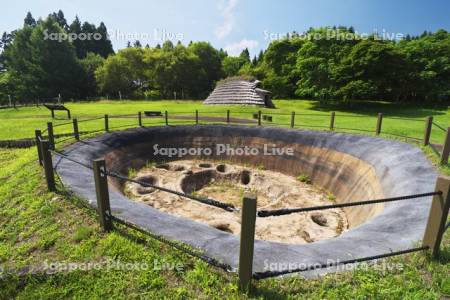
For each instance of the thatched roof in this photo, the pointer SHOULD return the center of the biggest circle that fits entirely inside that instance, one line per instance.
(230, 92)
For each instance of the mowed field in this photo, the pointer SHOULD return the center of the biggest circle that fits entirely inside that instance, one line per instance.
(38, 228)
(398, 120)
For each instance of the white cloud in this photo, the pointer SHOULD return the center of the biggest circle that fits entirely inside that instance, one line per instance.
(226, 8)
(236, 48)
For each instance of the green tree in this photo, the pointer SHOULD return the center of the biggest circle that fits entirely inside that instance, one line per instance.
(123, 72)
(278, 63)
(29, 20)
(40, 66)
(75, 28)
(90, 64)
(208, 70)
(103, 46)
(60, 19)
(232, 65)
(245, 55)
(429, 67)
(172, 70)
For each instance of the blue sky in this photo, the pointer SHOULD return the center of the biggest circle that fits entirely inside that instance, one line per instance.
(235, 24)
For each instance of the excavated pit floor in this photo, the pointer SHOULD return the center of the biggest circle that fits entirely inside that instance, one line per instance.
(227, 183)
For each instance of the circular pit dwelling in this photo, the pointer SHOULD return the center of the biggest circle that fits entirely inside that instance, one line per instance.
(336, 167)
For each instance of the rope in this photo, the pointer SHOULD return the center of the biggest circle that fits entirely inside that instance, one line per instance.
(90, 132)
(122, 116)
(123, 126)
(64, 140)
(303, 126)
(287, 211)
(62, 124)
(354, 129)
(352, 116)
(268, 274)
(87, 120)
(439, 126)
(184, 249)
(175, 245)
(311, 115)
(207, 201)
(401, 118)
(62, 155)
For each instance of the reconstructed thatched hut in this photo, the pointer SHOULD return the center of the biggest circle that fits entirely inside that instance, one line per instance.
(240, 91)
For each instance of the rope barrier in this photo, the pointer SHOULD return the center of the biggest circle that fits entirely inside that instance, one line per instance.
(207, 201)
(62, 155)
(87, 120)
(354, 129)
(303, 126)
(64, 140)
(311, 115)
(403, 119)
(439, 126)
(287, 211)
(62, 124)
(122, 116)
(185, 249)
(90, 132)
(353, 116)
(268, 274)
(123, 126)
(276, 113)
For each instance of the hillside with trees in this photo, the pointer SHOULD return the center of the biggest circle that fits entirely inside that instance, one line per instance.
(340, 66)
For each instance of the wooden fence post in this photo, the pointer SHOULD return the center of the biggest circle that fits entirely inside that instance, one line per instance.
(101, 188)
(166, 115)
(333, 114)
(38, 136)
(428, 124)
(438, 216)
(51, 136)
(140, 119)
(246, 246)
(379, 122)
(446, 149)
(228, 116)
(196, 116)
(259, 118)
(76, 133)
(48, 165)
(293, 119)
(106, 123)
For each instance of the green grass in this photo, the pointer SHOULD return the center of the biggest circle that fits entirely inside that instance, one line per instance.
(304, 178)
(37, 226)
(21, 123)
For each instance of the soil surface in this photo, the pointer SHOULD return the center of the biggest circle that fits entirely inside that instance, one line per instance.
(227, 183)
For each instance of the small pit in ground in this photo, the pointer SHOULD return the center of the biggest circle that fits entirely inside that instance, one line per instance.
(221, 168)
(205, 165)
(227, 183)
(143, 189)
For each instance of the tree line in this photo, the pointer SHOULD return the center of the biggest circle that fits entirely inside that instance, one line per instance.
(329, 64)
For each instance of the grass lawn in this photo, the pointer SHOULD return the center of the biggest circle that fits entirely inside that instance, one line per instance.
(37, 226)
(398, 120)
